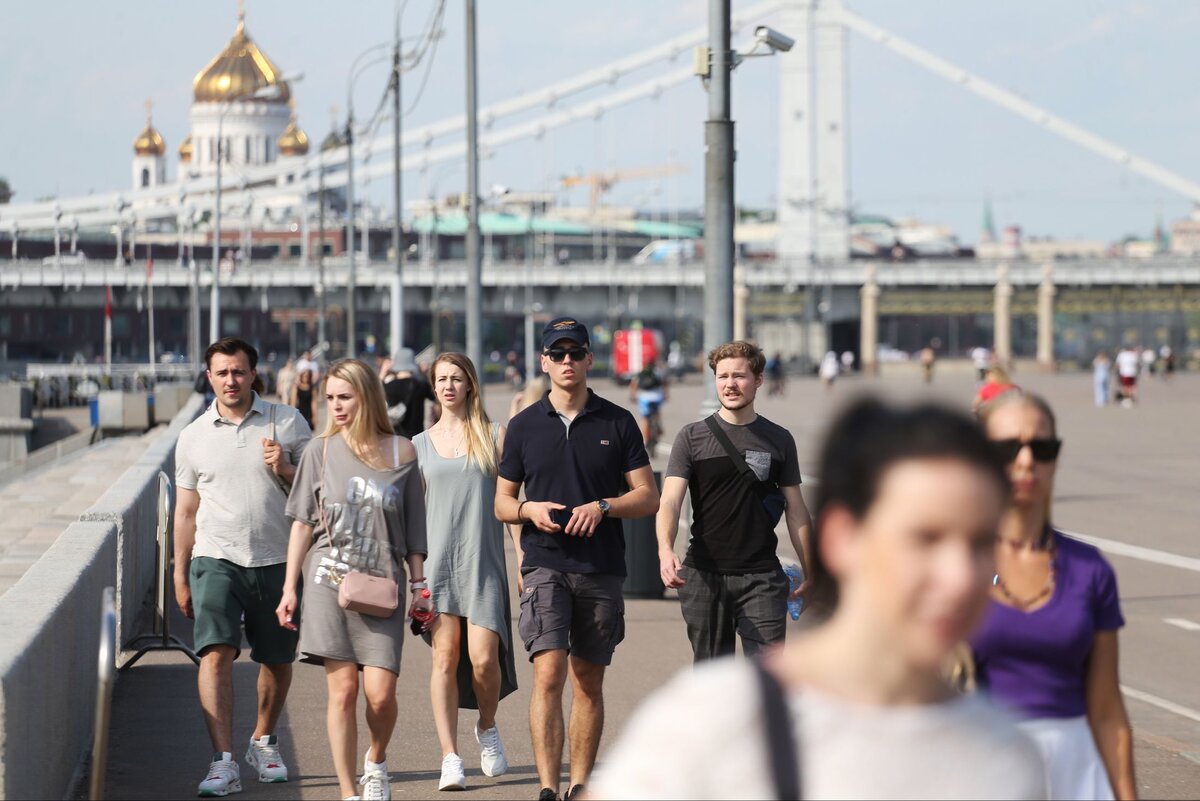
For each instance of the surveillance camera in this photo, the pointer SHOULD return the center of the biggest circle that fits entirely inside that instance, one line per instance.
(773, 39)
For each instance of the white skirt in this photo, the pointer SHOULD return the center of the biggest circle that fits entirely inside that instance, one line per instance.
(1074, 770)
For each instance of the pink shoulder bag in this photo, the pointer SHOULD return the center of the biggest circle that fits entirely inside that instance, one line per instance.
(361, 592)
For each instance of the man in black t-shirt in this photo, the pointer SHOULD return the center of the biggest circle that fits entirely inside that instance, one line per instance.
(731, 581)
(575, 453)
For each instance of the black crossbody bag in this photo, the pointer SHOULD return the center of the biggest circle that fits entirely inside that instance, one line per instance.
(782, 755)
(768, 493)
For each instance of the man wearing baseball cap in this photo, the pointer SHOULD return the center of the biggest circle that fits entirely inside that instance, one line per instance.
(574, 453)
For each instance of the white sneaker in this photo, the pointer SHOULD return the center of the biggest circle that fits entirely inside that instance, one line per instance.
(375, 782)
(453, 775)
(492, 758)
(224, 777)
(263, 755)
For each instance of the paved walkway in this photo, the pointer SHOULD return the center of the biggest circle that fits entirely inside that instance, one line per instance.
(41, 504)
(1126, 475)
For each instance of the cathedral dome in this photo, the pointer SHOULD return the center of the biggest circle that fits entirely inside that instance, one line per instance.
(237, 72)
(149, 142)
(293, 141)
(185, 150)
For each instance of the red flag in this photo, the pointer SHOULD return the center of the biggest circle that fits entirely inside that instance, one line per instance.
(149, 269)
(108, 302)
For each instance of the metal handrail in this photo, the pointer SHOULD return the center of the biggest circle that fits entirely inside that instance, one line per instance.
(161, 637)
(105, 677)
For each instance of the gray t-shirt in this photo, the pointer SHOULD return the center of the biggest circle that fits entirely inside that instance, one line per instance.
(702, 736)
(731, 533)
(241, 516)
(375, 519)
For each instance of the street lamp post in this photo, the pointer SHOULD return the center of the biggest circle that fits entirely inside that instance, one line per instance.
(718, 177)
(474, 299)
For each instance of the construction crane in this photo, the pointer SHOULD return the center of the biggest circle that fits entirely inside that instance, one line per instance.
(601, 182)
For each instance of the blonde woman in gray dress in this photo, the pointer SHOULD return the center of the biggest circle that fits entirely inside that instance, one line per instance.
(356, 505)
(473, 664)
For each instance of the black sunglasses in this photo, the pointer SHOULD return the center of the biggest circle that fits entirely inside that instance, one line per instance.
(556, 355)
(1044, 450)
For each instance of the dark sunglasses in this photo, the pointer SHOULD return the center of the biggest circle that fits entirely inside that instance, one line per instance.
(1044, 450)
(556, 355)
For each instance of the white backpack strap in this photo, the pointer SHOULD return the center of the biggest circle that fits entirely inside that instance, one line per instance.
(396, 451)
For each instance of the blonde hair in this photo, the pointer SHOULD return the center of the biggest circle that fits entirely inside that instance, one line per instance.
(999, 374)
(481, 447)
(535, 388)
(370, 421)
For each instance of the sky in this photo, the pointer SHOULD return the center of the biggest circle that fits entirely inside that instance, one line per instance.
(77, 74)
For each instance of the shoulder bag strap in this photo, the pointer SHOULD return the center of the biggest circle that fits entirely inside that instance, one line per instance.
(396, 451)
(782, 754)
(321, 497)
(738, 460)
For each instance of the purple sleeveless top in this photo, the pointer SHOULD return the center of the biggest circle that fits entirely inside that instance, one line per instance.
(1034, 663)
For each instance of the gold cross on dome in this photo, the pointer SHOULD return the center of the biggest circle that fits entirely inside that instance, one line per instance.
(241, 10)
(149, 109)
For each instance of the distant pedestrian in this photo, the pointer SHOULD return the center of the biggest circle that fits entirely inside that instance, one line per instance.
(356, 508)
(1167, 356)
(1101, 375)
(284, 381)
(829, 369)
(473, 664)
(847, 361)
(576, 454)
(1048, 646)
(742, 472)
(406, 389)
(777, 375)
(1128, 366)
(304, 396)
(996, 383)
(233, 468)
(981, 358)
(907, 511)
(928, 358)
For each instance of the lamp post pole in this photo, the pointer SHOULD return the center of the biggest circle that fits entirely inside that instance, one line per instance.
(474, 300)
(718, 192)
(214, 310)
(351, 303)
(321, 255)
(397, 316)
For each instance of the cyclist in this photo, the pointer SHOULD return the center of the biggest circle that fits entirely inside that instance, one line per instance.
(649, 389)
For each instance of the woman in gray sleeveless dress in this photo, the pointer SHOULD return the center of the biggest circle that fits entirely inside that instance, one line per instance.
(473, 665)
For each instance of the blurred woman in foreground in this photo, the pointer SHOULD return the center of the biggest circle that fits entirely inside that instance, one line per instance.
(907, 512)
(1048, 646)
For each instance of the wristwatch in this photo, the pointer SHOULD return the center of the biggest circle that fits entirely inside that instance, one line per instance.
(603, 506)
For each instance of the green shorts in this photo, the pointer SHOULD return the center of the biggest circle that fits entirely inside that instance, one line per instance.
(225, 595)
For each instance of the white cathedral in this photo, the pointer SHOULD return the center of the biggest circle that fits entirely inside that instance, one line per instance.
(255, 131)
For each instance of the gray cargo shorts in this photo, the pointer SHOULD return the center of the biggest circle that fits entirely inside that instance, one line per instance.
(581, 613)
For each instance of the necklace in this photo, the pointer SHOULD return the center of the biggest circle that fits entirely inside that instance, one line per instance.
(1025, 603)
(456, 445)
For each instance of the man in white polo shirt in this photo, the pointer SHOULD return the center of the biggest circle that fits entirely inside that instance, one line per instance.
(233, 467)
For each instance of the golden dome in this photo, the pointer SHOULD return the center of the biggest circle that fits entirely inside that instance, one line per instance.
(293, 141)
(185, 150)
(149, 142)
(237, 72)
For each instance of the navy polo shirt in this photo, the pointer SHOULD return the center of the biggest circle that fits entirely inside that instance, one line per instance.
(573, 465)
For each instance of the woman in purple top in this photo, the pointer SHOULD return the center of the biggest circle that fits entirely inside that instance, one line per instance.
(1047, 648)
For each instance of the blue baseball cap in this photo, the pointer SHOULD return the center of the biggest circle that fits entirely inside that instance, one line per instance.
(561, 328)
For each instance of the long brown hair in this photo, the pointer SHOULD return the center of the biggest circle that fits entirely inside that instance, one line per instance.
(481, 447)
(371, 421)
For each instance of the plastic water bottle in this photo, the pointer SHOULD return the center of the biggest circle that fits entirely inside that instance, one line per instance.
(795, 578)
(421, 619)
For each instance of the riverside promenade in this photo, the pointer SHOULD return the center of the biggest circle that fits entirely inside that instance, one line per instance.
(1127, 478)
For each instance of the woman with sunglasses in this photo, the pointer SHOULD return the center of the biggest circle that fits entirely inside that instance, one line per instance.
(1047, 649)
(856, 707)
